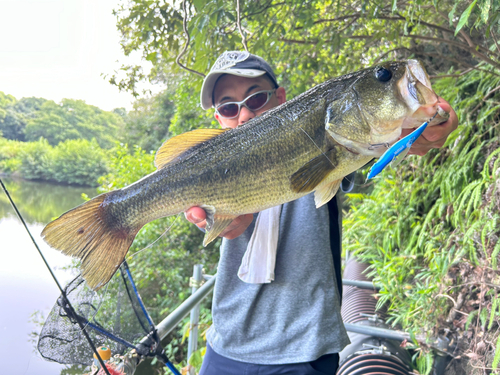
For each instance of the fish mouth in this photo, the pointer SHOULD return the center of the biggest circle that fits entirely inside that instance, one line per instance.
(416, 90)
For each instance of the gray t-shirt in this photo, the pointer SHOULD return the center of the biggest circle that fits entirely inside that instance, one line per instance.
(296, 317)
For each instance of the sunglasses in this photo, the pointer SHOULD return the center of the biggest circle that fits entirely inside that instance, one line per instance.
(253, 102)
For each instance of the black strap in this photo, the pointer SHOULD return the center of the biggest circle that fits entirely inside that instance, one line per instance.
(336, 241)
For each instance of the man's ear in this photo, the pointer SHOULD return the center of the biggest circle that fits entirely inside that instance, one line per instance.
(281, 94)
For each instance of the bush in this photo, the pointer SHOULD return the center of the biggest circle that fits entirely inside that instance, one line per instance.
(78, 162)
(126, 168)
(36, 160)
(9, 155)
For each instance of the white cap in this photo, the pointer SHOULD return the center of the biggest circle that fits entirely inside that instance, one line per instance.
(238, 63)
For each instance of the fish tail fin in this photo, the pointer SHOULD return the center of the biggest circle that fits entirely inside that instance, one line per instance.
(84, 233)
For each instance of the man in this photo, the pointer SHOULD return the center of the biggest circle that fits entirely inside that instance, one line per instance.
(291, 325)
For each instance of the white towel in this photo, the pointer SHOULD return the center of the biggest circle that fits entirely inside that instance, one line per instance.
(257, 265)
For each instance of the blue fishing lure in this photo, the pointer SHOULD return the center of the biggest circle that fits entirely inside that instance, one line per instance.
(397, 151)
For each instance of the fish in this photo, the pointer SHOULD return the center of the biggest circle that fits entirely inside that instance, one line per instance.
(305, 145)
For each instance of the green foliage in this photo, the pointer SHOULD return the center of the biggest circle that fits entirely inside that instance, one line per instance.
(496, 358)
(9, 155)
(147, 125)
(481, 13)
(28, 119)
(73, 119)
(36, 160)
(424, 363)
(188, 114)
(126, 168)
(78, 162)
(306, 42)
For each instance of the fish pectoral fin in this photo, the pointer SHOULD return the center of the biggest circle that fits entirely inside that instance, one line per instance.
(216, 225)
(176, 146)
(84, 233)
(325, 192)
(313, 172)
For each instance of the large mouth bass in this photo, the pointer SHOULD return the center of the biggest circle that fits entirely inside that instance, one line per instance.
(306, 145)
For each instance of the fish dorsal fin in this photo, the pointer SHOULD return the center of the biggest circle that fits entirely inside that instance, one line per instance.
(176, 146)
(313, 172)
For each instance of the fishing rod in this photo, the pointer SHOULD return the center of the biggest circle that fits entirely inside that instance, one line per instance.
(66, 301)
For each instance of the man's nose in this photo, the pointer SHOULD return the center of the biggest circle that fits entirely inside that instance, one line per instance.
(245, 115)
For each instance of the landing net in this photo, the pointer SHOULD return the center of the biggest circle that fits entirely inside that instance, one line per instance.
(114, 317)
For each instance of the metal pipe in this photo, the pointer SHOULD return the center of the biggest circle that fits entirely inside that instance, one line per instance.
(378, 332)
(175, 317)
(440, 344)
(195, 313)
(362, 284)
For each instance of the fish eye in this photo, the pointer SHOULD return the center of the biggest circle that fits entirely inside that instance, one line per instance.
(383, 74)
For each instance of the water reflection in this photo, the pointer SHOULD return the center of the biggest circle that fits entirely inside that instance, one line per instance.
(40, 202)
(25, 284)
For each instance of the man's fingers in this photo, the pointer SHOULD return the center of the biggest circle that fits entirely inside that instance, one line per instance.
(434, 136)
(196, 215)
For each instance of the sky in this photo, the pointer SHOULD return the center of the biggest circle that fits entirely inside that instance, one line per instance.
(58, 49)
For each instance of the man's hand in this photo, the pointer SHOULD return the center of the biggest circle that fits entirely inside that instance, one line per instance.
(434, 136)
(197, 215)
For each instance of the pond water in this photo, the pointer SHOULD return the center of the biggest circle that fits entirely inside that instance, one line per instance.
(27, 290)
(26, 286)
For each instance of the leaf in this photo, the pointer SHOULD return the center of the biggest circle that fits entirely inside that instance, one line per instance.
(394, 6)
(196, 358)
(470, 318)
(485, 10)
(465, 17)
(202, 23)
(493, 311)
(496, 359)
(198, 4)
(451, 15)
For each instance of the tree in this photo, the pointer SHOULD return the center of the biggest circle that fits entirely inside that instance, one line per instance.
(147, 125)
(10, 126)
(308, 41)
(72, 119)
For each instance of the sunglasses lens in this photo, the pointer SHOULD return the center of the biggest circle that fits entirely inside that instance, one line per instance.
(257, 101)
(228, 110)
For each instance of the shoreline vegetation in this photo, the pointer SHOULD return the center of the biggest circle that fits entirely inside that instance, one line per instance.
(72, 162)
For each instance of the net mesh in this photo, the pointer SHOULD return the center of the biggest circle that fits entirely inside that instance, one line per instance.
(115, 308)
